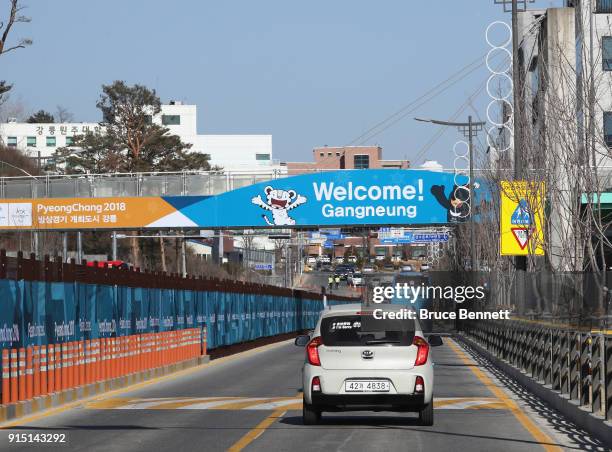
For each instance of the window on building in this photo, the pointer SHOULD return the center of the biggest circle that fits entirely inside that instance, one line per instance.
(361, 161)
(603, 6)
(69, 141)
(607, 120)
(171, 120)
(51, 142)
(606, 53)
(31, 142)
(329, 154)
(322, 154)
(262, 156)
(11, 141)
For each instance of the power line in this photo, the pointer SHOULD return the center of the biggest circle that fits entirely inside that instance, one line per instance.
(431, 92)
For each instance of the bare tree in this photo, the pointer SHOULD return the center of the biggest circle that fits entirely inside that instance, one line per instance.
(566, 150)
(63, 115)
(6, 26)
(11, 108)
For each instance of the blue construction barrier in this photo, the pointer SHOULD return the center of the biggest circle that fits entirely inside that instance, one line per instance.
(40, 312)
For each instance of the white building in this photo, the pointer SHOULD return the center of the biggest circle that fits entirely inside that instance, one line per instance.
(565, 58)
(252, 153)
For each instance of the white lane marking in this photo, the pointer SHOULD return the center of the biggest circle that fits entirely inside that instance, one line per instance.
(144, 404)
(275, 405)
(218, 403)
(265, 403)
(464, 405)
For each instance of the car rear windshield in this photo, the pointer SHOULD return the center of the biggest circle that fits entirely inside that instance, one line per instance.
(347, 330)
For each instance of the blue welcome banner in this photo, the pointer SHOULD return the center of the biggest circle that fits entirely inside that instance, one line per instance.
(336, 198)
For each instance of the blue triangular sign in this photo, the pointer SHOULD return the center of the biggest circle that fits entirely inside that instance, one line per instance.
(521, 214)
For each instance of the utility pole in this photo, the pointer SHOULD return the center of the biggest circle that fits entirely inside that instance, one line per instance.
(114, 245)
(520, 262)
(469, 129)
(79, 246)
(183, 257)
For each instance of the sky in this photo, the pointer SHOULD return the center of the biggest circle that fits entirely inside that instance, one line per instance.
(310, 73)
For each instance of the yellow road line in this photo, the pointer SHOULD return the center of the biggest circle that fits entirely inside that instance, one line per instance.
(256, 432)
(545, 441)
(172, 376)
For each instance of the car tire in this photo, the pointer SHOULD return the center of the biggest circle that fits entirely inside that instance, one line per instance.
(426, 415)
(310, 415)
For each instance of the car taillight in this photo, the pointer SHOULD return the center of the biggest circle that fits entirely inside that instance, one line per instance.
(316, 384)
(419, 385)
(312, 351)
(422, 350)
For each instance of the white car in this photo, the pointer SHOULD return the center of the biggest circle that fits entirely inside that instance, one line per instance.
(311, 260)
(352, 259)
(368, 269)
(325, 259)
(355, 362)
(356, 279)
(406, 268)
(339, 260)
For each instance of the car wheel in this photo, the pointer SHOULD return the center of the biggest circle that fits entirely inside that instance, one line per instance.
(426, 415)
(310, 415)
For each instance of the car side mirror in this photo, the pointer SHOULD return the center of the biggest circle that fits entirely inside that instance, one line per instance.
(434, 340)
(302, 340)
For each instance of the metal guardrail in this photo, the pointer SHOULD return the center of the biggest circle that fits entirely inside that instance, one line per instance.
(196, 183)
(575, 363)
(129, 184)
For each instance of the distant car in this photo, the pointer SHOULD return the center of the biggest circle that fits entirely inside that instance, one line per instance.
(339, 259)
(368, 269)
(389, 268)
(356, 279)
(406, 268)
(311, 260)
(326, 268)
(343, 270)
(325, 260)
(424, 267)
(352, 259)
(380, 258)
(109, 264)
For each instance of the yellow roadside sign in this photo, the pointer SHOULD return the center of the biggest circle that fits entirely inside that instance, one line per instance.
(522, 213)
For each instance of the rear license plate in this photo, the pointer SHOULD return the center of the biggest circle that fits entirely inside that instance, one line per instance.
(367, 386)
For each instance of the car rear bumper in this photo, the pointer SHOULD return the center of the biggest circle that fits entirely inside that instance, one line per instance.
(358, 402)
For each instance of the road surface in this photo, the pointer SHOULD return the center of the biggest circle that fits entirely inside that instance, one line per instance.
(252, 401)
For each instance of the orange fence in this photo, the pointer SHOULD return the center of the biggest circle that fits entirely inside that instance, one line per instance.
(40, 370)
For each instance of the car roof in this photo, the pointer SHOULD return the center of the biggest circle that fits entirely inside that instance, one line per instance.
(352, 308)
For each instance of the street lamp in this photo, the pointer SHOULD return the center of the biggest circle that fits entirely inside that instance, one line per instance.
(469, 129)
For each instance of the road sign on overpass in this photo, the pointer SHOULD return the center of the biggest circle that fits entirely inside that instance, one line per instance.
(337, 198)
